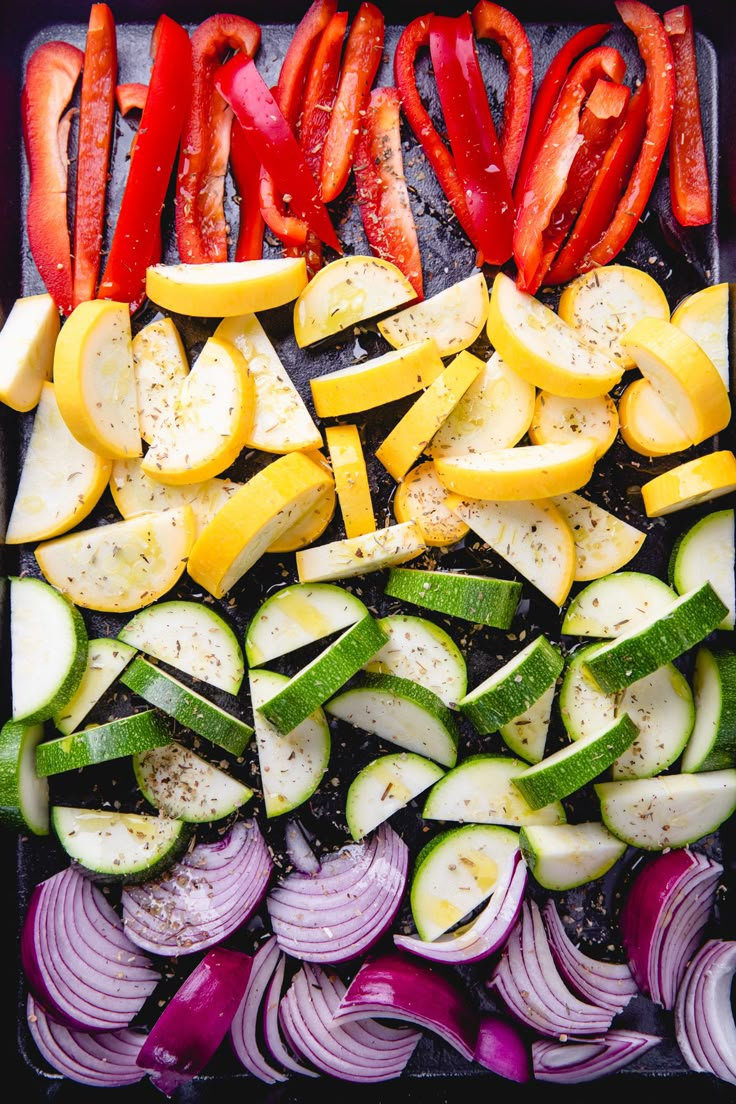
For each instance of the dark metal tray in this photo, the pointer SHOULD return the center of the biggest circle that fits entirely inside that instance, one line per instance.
(681, 262)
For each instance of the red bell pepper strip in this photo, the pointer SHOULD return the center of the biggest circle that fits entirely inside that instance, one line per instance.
(51, 76)
(96, 115)
(139, 219)
(548, 92)
(600, 119)
(246, 169)
(201, 227)
(689, 179)
(363, 52)
(472, 135)
(274, 143)
(548, 175)
(655, 49)
(289, 229)
(497, 23)
(382, 193)
(320, 91)
(604, 193)
(297, 61)
(131, 97)
(414, 37)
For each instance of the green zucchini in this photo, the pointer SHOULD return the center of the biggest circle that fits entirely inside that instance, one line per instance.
(477, 598)
(511, 689)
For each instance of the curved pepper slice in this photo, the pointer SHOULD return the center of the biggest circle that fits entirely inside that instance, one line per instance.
(139, 219)
(201, 228)
(382, 193)
(246, 169)
(363, 52)
(548, 176)
(604, 193)
(548, 92)
(689, 179)
(655, 49)
(320, 90)
(297, 61)
(131, 97)
(472, 135)
(51, 76)
(497, 23)
(96, 115)
(274, 143)
(415, 36)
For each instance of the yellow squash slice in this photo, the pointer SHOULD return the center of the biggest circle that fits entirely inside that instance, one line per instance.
(351, 479)
(647, 424)
(420, 497)
(558, 419)
(27, 342)
(689, 484)
(226, 288)
(523, 472)
(454, 317)
(603, 542)
(134, 492)
(377, 381)
(161, 366)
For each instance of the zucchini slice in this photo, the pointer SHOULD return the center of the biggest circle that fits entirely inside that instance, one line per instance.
(712, 743)
(480, 790)
(106, 659)
(297, 615)
(184, 786)
(384, 786)
(564, 856)
(708, 550)
(477, 598)
(120, 846)
(616, 604)
(419, 650)
(515, 686)
(24, 795)
(117, 739)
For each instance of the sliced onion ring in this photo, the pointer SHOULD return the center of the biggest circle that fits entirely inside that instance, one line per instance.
(667, 909)
(502, 1049)
(397, 986)
(196, 1019)
(488, 931)
(608, 984)
(343, 910)
(574, 1063)
(202, 899)
(299, 849)
(704, 1019)
(77, 960)
(103, 1059)
(275, 1044)
(244, 1027)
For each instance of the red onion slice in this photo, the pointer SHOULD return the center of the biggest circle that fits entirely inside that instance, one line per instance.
(196, 1020)
(275, 1044)
(608, 984)
(574, 1063)
(202, 899)
(502, 1049)
(396, 986)
(244, 1028)
(663, 919)
(77, 960)
(528, 981)
(704, 1019)
(334, 1049)
(103, 1059)
(487, 932)
(332, 917)
(299, 849)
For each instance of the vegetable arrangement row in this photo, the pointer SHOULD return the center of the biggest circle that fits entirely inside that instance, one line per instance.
(199, 877)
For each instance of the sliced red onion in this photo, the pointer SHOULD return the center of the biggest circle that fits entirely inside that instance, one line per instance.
(704, 1019)
(275, 1044)
(530, 984)
(608, 984)
(667, 909)
(196, 1020)
(573, 1063)
(487, 932)
(397, 986)
(344, 909)
(104, 1059)
(244, 1028)
(502, 1049)
(345, 1051)
(77, 959)
(202, 899)
(299, 849)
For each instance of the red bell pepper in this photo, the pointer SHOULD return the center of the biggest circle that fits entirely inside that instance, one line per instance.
(139, 219)
(51, 76)
(201, 227)
(246, 169)
(547, 178)
(548, 92)
(363, 53)
(472, 135)
(655, 49)
(413, 38)
(297, 61)
(96, 115)
(382, 193)
(600, 120)
(320, 90)
(689, 179)
(605, 192)
(274, 144)
(497, 23)
(131, 97)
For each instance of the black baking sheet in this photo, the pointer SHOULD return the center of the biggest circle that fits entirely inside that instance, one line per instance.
(682, 262)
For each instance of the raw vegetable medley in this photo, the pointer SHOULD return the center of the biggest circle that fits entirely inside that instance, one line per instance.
(373, 687)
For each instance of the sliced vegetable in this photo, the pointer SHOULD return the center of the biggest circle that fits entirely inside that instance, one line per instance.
(181, 784)
(708, 547)
(564, 856)
(297, 615)
(501, 1048)
(690, 483)
(351, 479)
(478, 598)
(603, 542)
(454, 317)
(610, 984)
(27, 340)
(704, 315)
(226, 289)
(712, 741)
(160, 365)
(24, 796)
(526, 734)
(343, 559)
(377, 381)
(424, 652)
(617, 603)
(522, 473)
(243, 1031)
(688, 164)
(117, 739)
(575, 1063)
(106, 658)
(670, 811)
(480, 790)
(705, 1035)
(384, 786)
(513, 686)
(119, 846)
(647, 424)
(420, 497)
(557, 419)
